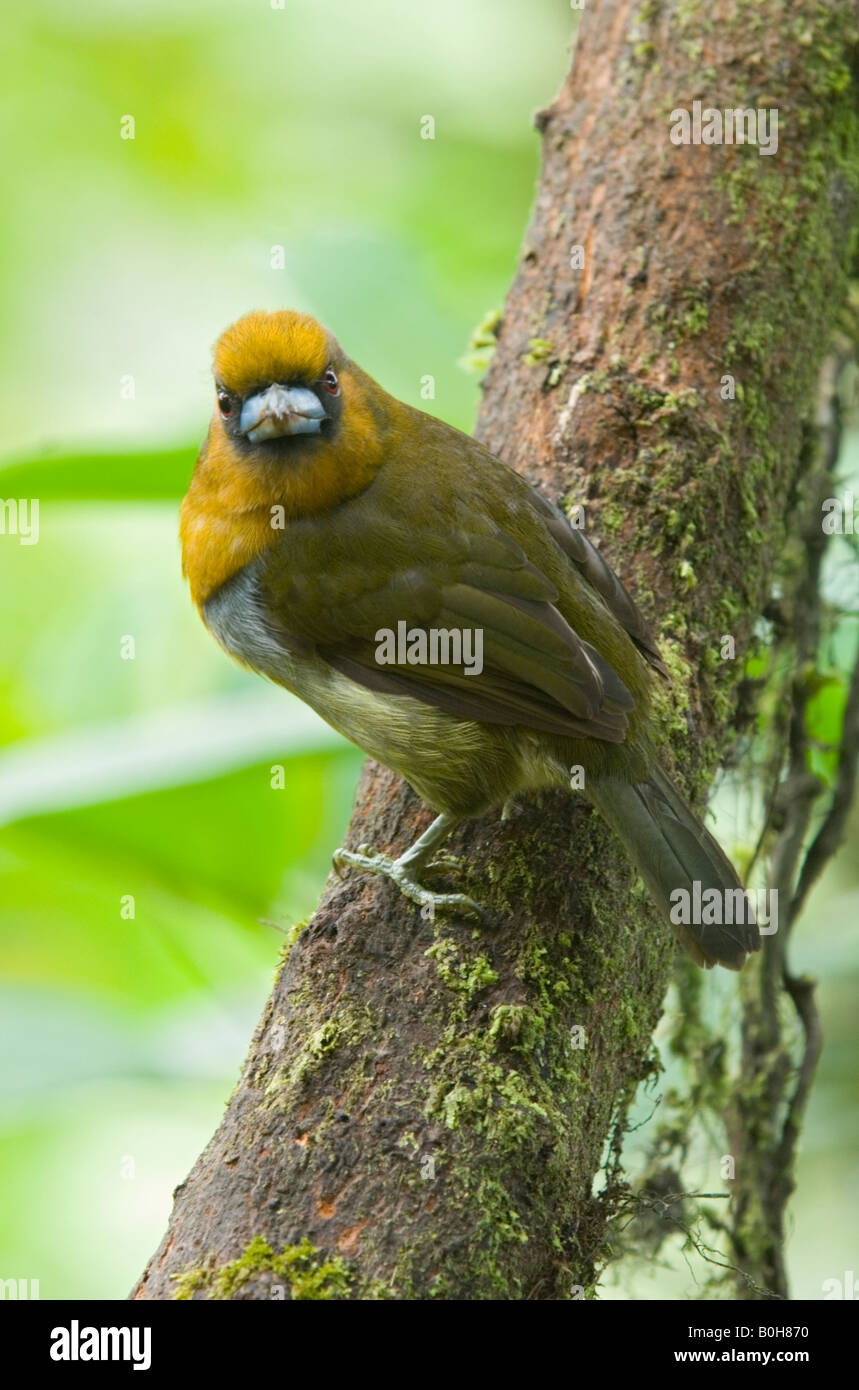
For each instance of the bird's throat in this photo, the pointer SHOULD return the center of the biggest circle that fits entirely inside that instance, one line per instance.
(237, 507)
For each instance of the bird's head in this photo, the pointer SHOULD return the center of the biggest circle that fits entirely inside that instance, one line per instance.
(279, 382)
(297, 429)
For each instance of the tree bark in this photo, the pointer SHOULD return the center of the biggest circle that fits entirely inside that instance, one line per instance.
(425, 1107)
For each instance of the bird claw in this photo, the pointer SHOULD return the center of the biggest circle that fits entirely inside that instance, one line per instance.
(393, 869)
(445, 863)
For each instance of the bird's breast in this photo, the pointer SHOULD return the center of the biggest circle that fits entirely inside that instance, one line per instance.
(235, 617)
(393, 729)
(455, 765)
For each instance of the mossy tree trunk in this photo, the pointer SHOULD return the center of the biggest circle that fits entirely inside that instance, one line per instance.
(426, 1104)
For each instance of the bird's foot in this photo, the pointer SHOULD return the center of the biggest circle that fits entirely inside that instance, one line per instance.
(402, 874)
(445, 864)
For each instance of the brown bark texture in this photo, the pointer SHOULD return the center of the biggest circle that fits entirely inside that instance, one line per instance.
(425, 1106)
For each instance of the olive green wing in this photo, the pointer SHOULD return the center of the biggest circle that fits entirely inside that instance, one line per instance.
(536, 670)
(598, 573)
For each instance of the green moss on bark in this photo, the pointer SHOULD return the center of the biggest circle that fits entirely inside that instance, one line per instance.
(296, 1268)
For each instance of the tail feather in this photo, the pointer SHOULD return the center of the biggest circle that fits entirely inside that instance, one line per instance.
(672, 850)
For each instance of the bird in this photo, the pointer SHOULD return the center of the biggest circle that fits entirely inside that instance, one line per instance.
(350, 548)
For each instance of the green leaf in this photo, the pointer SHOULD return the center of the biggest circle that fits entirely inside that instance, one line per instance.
(160, 476)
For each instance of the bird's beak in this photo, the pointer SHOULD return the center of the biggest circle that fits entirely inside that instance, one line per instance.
(281, 410)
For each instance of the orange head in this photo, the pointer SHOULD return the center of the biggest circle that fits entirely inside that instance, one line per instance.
(297, 428)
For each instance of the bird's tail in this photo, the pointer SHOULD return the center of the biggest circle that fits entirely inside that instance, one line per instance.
(673, 851)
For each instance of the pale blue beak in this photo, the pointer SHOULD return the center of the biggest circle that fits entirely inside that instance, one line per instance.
(279, 411)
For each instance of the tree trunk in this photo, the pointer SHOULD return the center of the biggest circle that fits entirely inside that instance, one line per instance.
(425, 1106)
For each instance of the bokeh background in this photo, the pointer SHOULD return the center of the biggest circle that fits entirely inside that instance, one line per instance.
(148, 777)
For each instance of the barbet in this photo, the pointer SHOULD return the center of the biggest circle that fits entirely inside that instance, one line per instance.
(326, 521)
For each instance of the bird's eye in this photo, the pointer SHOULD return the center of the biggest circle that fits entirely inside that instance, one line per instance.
(330, 382)
(225, 404)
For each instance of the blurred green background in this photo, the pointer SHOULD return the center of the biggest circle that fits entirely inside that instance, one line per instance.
(149, 777)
